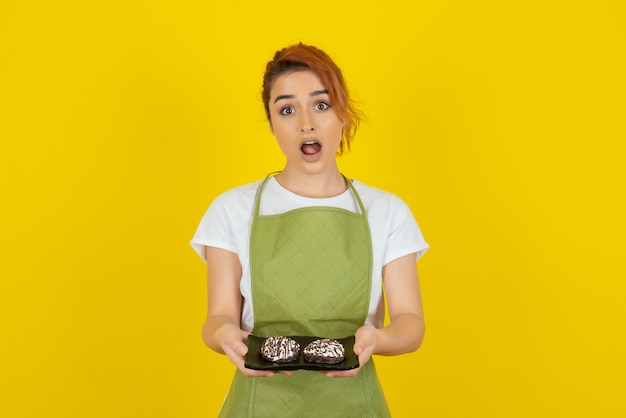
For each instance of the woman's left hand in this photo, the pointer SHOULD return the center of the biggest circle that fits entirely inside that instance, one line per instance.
(364, 345)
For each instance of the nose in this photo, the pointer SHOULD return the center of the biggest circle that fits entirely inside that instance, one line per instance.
(306, 122)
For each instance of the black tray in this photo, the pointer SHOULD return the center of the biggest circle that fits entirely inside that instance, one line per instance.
(255, 361)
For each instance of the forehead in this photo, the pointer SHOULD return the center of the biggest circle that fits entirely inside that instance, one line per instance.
(303, 81)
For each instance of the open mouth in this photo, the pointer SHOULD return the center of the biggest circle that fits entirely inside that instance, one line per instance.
(310, 147)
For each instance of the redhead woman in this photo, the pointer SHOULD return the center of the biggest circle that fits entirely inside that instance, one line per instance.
(308, 252)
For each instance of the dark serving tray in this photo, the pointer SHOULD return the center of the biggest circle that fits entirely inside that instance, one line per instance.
(255, 361)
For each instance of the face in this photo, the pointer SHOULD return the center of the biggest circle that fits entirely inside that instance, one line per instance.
(304, 123)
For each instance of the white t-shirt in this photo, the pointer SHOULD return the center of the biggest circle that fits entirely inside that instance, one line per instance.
(227, 222)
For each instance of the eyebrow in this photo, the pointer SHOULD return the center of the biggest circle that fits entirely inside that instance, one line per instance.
(293, 96)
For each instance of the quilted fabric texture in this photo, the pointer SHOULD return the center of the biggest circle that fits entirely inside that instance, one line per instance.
(311, 275)
(315, 396)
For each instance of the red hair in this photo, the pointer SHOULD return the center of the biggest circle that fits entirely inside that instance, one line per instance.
(302, 57)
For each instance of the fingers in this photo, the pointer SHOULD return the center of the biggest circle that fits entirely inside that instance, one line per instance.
(364, 346)
(236, 352)
(235, 347)
(364, 356)
(256, 373)
(343, 373)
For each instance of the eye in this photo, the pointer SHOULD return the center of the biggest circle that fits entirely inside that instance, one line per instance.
(287, 110)
(322, 106)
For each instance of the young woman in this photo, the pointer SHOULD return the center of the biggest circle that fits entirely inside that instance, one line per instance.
(307, 252)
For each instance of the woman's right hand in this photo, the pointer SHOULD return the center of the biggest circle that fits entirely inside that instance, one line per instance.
(221, 331)
(233, 342)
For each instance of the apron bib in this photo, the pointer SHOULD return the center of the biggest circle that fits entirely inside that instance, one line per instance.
(311, 274)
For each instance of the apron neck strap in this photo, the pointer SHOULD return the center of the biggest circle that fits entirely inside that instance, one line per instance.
(257, 203)
(358, 198)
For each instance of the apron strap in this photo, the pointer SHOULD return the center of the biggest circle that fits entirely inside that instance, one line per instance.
(257, 200)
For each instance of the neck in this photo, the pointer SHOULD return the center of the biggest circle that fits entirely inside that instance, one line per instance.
(320, 185)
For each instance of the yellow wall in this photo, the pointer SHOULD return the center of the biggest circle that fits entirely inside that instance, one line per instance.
(500, 123)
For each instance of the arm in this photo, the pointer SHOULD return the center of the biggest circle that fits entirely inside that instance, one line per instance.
(405, 331)
(222, 330)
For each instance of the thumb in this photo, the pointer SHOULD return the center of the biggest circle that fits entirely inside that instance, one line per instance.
(243, 346)
(238, 348)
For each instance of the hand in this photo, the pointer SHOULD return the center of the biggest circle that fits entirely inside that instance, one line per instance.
(233, 342)
(364, 345)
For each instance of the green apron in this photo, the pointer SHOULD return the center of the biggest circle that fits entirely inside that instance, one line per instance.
(311, 273)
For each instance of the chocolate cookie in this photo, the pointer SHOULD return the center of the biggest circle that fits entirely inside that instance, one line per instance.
(279, 349)
(325, 351)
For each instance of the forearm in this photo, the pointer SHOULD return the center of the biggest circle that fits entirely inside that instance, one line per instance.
(224, 300)
(403, 335)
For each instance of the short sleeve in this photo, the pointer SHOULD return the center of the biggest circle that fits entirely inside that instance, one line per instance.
(404, 235)
(215, 228)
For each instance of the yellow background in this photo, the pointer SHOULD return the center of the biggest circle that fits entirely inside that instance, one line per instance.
(501, 124)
